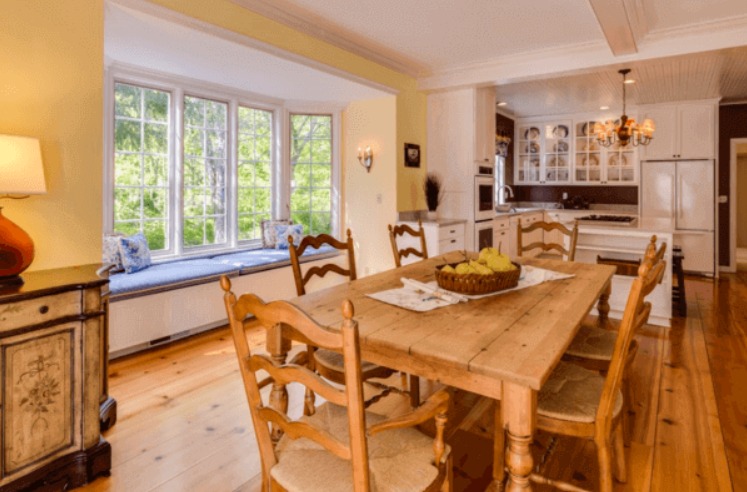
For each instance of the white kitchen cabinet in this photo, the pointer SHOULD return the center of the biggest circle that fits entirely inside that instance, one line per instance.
(502, 234)
(597, 165)
(543, 152)
(460, 131)
(698, 250)
(440, 238)
(683, 131)
(485, 126)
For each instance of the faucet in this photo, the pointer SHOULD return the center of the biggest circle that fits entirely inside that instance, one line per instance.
(501, 196)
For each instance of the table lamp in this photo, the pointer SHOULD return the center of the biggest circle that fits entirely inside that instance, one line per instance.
(21, 175)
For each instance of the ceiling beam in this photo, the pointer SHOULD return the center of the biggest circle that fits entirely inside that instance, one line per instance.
(613, 20)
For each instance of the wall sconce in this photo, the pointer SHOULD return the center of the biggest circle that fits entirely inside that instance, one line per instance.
(21, 175)
(365, 157)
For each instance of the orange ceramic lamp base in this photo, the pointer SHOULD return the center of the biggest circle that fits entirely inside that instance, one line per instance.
(16, 251)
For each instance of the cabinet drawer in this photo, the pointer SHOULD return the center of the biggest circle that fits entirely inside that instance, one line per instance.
(501, 224)
(451, 232)
(453, 244)
(39, 310)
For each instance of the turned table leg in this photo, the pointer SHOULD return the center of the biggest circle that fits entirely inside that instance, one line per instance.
(519, 410)
(603, 305)
(278, 347)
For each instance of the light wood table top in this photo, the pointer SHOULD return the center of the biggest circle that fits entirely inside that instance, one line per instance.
(514, 336)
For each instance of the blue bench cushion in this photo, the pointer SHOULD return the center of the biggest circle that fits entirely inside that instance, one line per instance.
(263, 259)
(174, 274)
(183, 273)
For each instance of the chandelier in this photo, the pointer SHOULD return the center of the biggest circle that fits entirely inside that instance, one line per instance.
(625, 130)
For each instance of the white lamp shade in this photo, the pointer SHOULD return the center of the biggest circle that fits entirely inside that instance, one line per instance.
(21, 169)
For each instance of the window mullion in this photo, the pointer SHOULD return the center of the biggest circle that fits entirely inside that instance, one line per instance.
(232, 213)
(176, 206)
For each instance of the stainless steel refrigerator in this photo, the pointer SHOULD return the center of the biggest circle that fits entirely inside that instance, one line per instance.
(684, 192)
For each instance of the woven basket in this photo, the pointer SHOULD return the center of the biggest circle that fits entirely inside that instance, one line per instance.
(476, 284)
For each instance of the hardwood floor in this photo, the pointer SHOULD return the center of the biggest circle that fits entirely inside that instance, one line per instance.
(183, 421)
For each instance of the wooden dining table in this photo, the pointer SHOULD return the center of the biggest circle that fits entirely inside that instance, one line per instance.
(503, 346)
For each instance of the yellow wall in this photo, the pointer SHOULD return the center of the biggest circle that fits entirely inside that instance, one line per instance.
(370, 198)
(52, 88)
(51, 78)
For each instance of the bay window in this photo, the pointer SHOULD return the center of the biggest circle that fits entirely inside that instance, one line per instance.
(199, 170)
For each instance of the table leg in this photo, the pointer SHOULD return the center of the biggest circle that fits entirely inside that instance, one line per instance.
(603, 305)
(278, 347)
(519, 411)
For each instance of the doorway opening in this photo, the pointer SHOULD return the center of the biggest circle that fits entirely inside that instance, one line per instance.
(738, 209)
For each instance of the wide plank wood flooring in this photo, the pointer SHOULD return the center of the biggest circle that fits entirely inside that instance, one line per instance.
(183, 422)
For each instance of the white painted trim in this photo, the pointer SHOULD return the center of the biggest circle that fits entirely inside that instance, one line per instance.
(733, 203)
(107, 208)
(169, 15)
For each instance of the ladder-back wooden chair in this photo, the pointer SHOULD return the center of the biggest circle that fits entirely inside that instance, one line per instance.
(593, 345)
(341, 447)
(568, 254)
(582, 403)
(329, 363)
(402, 231)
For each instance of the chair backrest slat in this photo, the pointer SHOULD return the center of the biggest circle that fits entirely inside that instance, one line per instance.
(281, 318)
(636, 314)
(568, 253)
(316, 242)
(399, 231)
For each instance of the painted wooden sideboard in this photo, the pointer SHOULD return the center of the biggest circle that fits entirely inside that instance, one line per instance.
(53, 356)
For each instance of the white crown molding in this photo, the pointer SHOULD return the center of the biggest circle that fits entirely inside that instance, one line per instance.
(148, 8)
(333, 36)
(562, 60)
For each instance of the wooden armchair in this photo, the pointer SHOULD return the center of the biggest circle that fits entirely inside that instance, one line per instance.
(329, 363)
(568, 254)
(582, 403)
(402, 230)
(341, 447)
(594, 345)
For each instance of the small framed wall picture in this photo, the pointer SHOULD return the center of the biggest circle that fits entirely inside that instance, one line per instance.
(412, 155)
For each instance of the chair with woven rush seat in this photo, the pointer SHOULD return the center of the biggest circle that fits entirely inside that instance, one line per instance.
(327, 362)
(341, 447)
(402, 231)
(582, 403)
(593, 345)
(568, 254)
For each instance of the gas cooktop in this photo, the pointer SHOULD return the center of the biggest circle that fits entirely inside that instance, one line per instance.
(616, 220)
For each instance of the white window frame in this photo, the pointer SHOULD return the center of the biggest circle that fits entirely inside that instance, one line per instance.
(178, 87)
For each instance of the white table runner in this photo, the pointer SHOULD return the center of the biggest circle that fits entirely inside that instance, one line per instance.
(419, 296)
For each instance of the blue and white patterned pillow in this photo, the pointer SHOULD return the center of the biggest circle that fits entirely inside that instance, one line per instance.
(110, 251)
(282, 231)
(135, 253)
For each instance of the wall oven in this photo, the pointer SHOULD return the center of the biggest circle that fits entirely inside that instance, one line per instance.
(484, 235)
(484, 198)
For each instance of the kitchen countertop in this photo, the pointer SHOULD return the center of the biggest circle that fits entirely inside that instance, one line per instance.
(647, 225)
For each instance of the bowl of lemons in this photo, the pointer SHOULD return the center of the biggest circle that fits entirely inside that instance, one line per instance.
(492, 271)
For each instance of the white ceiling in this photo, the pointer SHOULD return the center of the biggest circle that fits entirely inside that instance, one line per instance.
(145, 37)
(544, 56)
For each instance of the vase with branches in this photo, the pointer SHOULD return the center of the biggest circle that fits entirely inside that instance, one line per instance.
(433, 190)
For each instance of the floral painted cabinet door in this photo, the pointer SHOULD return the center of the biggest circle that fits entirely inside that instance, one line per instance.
(40, 419)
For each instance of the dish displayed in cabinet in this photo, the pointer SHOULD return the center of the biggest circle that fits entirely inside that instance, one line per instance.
(531, 148)
(587, 128)
(618, 160)
(560, 131)
(532, 133)
(557, 162)
(560, 147)
(589, 161)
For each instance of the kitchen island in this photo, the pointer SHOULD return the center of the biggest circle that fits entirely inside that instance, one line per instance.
(628, 243)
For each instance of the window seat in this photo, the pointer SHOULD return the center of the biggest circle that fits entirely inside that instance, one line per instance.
(175, 299)
(186, 272)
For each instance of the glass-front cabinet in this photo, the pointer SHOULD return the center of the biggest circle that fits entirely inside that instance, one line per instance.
(564, 152)
(595, 164)
(544, 153)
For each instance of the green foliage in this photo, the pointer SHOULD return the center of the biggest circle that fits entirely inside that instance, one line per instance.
(126, 101)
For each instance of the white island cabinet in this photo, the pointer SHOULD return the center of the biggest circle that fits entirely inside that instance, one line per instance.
(441, 236)
(629, 243)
